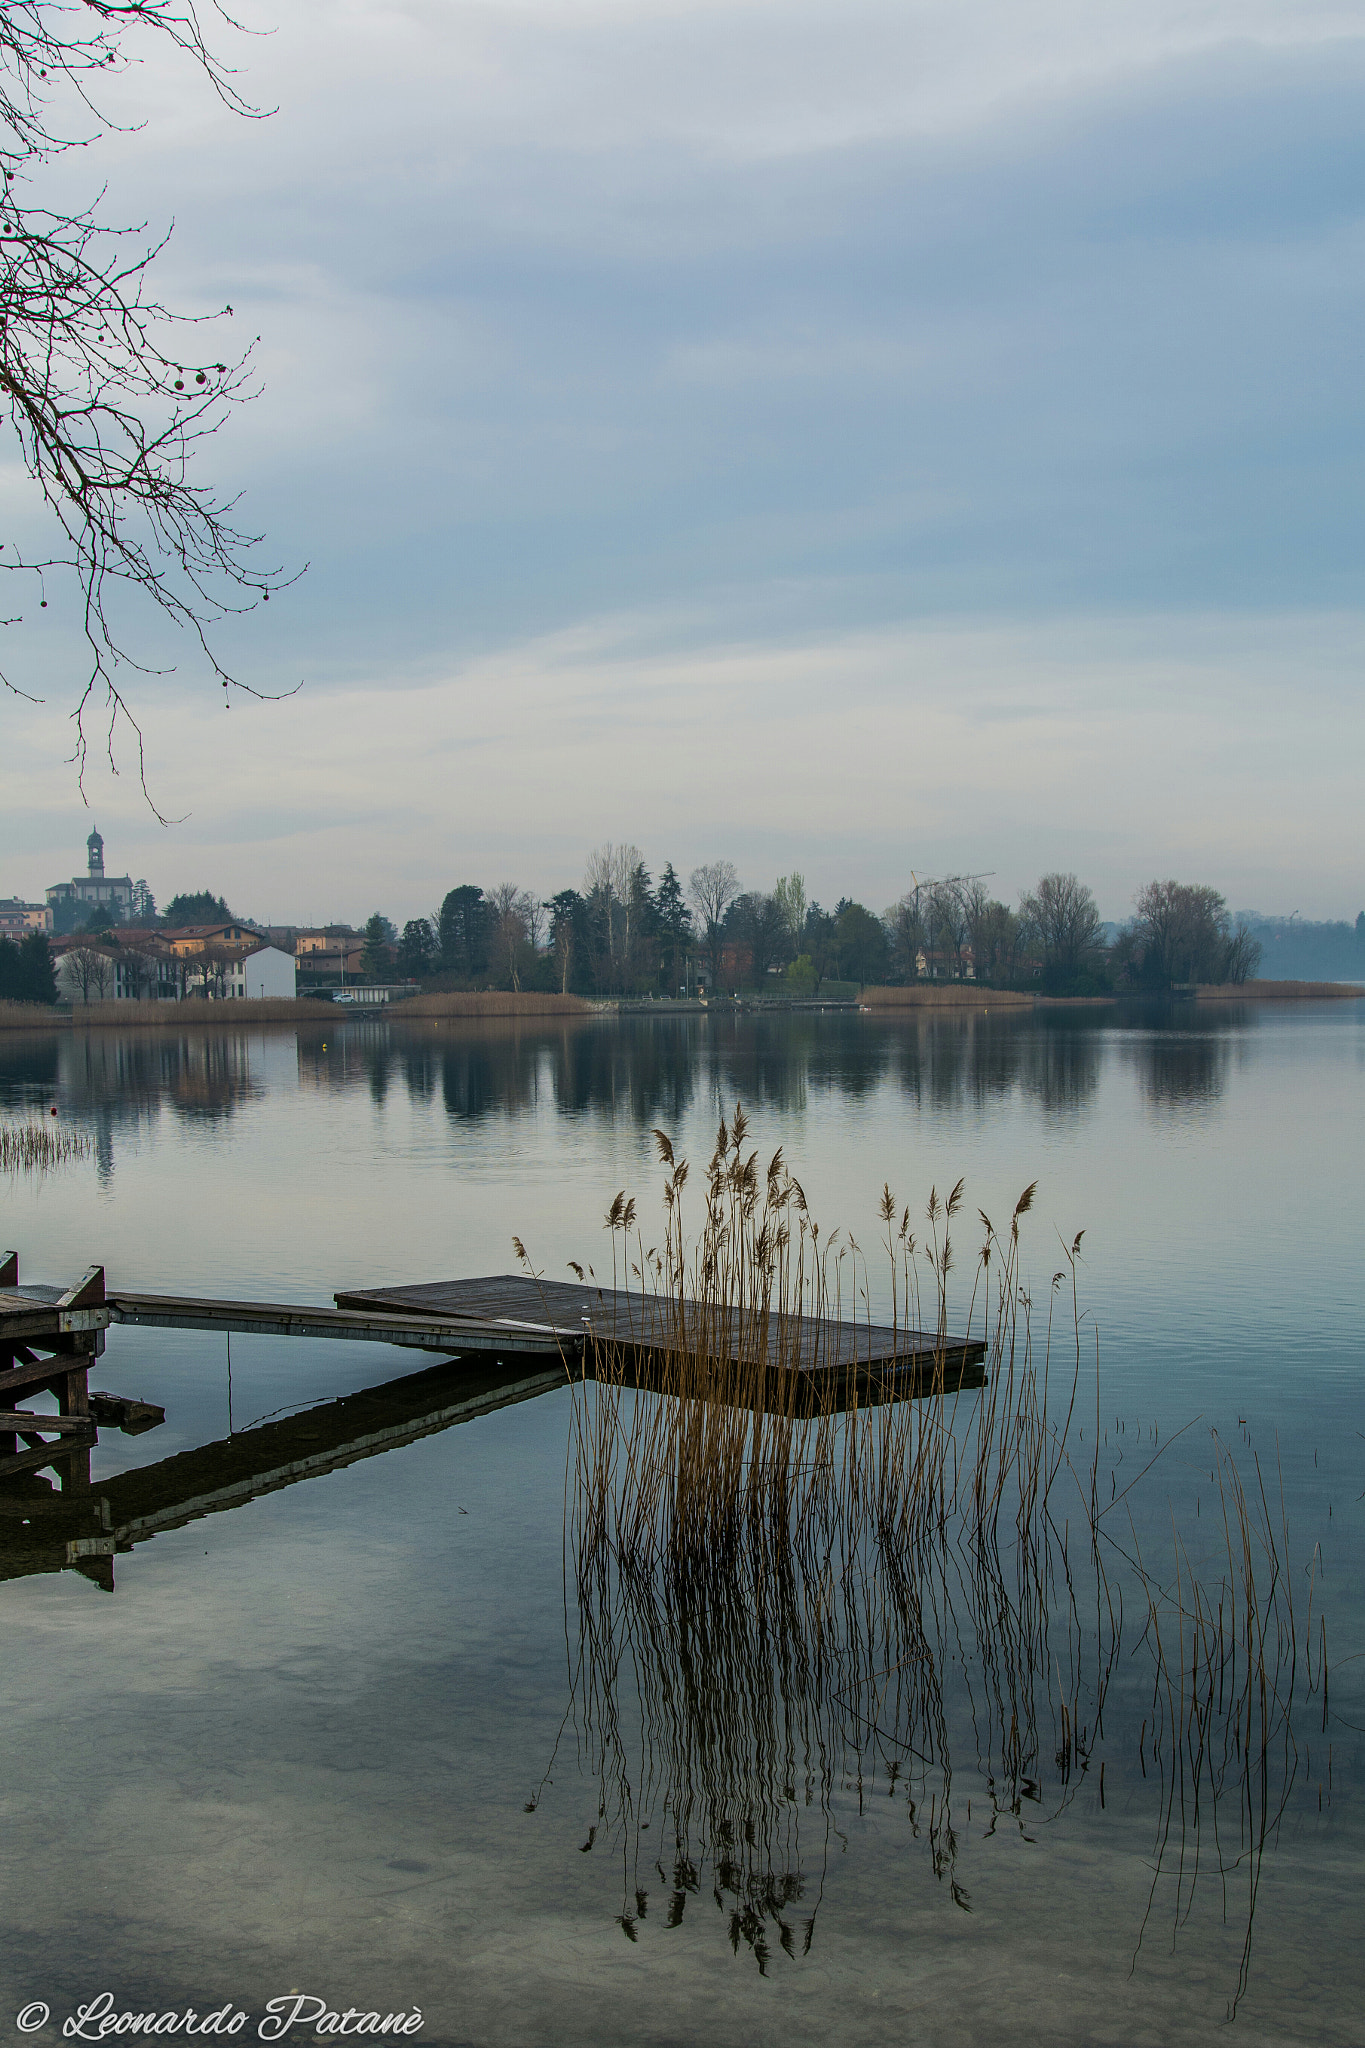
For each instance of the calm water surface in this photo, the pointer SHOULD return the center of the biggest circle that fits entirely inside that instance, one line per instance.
(354, 1736)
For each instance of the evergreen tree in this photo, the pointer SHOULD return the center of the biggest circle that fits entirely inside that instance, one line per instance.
(26, 972)
(416, 948)
(861, 945)
(374, 956)
(36, 972)
(464, 932)
(674, 922)
(199, 907)
(570, 940)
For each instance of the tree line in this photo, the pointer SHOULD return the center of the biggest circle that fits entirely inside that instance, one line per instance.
(625, 933)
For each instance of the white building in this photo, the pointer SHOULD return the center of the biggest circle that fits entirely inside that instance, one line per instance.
(265, 972)
(88, 972)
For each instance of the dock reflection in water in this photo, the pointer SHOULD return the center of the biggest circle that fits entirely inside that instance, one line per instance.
(731, 1723)
(43, 1530)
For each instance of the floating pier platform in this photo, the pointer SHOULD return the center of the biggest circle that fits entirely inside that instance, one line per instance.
(586, 1319)
(49, 1337)
(504, 1338)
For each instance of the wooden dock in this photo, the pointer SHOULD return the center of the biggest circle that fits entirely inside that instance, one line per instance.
(48, 1337)
(585, 1319)
(446, 1334)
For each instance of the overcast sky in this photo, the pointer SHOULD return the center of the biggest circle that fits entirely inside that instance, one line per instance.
(858, 438)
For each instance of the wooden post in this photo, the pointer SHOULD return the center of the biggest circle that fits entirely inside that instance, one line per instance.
(9, 1277)
(87, 1293)
(73, 1398)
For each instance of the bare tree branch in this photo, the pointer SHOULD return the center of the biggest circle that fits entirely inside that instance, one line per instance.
(107, 400)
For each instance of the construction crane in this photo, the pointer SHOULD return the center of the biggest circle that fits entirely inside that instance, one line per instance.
(945, 882)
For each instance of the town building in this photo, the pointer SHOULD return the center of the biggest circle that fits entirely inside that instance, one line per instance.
(17, 918)
(329, 956)
(152, 966)
(71, 902)
(188, 939)
(263, 971)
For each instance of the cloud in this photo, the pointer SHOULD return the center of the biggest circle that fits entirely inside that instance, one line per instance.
(1122, 748)
(790, 333)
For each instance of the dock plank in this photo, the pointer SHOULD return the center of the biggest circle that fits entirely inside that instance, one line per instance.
(373, 1325)
(647, 1323)
(23, 1422)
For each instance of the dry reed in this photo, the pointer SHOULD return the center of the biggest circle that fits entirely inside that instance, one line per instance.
(33, 1148)
(793, 1586)
(946, 995)
(491, 1003)
(230, 1010)
(1273, 991)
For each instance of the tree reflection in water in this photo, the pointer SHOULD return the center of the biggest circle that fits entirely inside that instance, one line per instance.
(638, 1070)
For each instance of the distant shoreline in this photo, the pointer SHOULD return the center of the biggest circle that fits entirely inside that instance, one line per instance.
(971, 995)
(195, 1013)
(531, 1004)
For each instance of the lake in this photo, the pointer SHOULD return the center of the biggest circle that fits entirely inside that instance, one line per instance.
(373, 1736)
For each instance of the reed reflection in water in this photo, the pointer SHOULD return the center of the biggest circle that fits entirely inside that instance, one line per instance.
(783, 1610)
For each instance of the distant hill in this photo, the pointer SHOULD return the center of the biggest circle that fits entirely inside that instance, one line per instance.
(1297, 949)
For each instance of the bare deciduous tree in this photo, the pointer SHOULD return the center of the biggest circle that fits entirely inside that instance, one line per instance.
(515, 914)
(611, 885)
(758, 923)
(905, 930)
(713, 887)
(108, 399)
(92, 971)
(1185, 934)
(140, 960)
(947, 923)
(993, 934)
(1061, 915)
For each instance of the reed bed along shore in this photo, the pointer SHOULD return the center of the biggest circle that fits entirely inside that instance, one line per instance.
(175, 1016)
(36, 1148)
(283, 1010)
(974, 995)
(780, 1606)
(947, 995)
(492, 1003)
(1274, 991)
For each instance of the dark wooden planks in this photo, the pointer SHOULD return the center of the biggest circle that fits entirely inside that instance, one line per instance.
(371, 1324)
(23, 1422)
(648, 1322)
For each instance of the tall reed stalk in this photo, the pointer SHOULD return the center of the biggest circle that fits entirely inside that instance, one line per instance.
(793, 1583)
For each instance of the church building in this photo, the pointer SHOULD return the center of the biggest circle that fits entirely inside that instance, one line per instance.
(71, 902)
